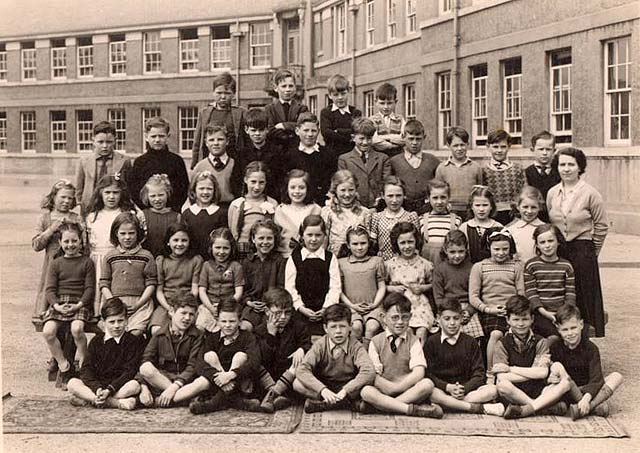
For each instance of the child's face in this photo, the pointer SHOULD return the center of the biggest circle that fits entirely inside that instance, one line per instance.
(70, 243)
(571, 331)
(286, 89)
(362, 142)
(338, 331)
(481, 208)
(313, 237)
(547, 243)
(256, 183)
(103, 143)
(413, 143)
(543, 151)
(393, 197)
(182, 318)
(308, 133)
(520, 324)
(221, 250)
(358, 245)
(458, 149)
(407, 245)
(499, 150)
(339, 98)
(568, 168)
(158, 197)
(216, 143)
(127, 236)
(450, 322)
(439, 200)
(396, 321)
(115, 325)
(204, 192)
(229, 323)
(257, 136)
(264, 240)
(385, 106)
(529, 209)
(456, 254)
(222, 96)
(500, 251)
(111, 196)
(279, 316)
(297, 190)
(63, 200)
(179, 243)
(346, 193)
(157, 138)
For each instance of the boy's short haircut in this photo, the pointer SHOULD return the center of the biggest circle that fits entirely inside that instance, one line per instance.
(282, 74)
(544, 135)
(566, 312)
(436, 183)
(278, 298)
(337, 82)
(459, 132)
(104, 127)
(157, 122)
(226, 80)
(185, 300)
(229, 306)
(363, 126)
(498, 135)
(414, 127)
(518, 305)
(215, 128)
(113, 307)
(257, 119)
(451, 304)
(386, 92)
(307, 117)
(335, 313)
(396, 300)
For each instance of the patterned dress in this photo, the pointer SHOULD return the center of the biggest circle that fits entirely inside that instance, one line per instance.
(339, 222)
(401, 271)
(289, 218)
(381, 225)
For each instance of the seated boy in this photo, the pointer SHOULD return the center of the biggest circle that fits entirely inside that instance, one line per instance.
(283, 341)
(283, 113)
(521, 363)
(336, 119)
(400, 386)
(336, 368)
(577, 359)
(226, 366)
(389, 124)
(169, 360)
(456, 367)
(108, 372)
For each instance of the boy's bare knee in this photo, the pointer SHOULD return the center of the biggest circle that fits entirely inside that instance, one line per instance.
(147, 369)
(504, 387)
(240, 358)
(367, 392)
(74, 384)
(211, 356)
(297, 386)
(77, 330)
(495, 335)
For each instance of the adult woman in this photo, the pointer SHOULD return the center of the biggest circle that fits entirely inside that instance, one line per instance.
(579, 211)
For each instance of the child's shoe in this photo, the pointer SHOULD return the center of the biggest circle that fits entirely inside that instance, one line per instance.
(365, 408)
(513, 411)
(268, 402)
(246, 404)
(65, 377)
(52, 369)
(311, 406)
(559, 409)
(78, 402)
(601, 410)
(426, 410)
(281, 402)
(493, 409)
(201, 405)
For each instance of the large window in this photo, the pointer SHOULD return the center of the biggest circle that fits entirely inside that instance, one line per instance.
(479, 105)
(370, 23)
(3, 62)
(85, 57)
(28, 61)
(118, 118)
(340, 29)
(617, 102)
(220, 47)
(444, 107)
(409, 101)
(560, 65)
(188, 117)
(117, 55)
(189, 49)
(58, 59)
(152, 52)
(84, 128)
(58, 131)
(313, 104)
(392, 25)
(3, 131)
(148, 112)
(260, 43)
(445, 6)
(318, 43)
(512, 92)
(369, 103)
(28, 125)
(412, 19)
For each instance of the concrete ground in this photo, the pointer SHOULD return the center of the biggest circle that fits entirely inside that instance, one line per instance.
(23, 356)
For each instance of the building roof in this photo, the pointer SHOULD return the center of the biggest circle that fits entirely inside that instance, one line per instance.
(24, 18)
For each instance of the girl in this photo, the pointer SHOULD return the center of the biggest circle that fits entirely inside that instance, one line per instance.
(491, 283)
(363, 284)
(203, 214)
(482, 208)
(263, 270)
(58, 204)
(154, 195)
(344, 209)
(437, 222)
(70, 286)
(297, 204)
(549, 281)
(178, 273)
(221, 279)
(530, 204)
(312, 275)
(254, 206)
(410, 274)
(451, 280)
(129, 272)
(382, 222)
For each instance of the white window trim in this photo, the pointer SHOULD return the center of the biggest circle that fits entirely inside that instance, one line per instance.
(84, 130)
(370, 17)
(369, 103)
(33, 68)
(474, 117)
(253, 46)
(81, 66)
(114, 118)
(3, 132)
(608, 141)
(112, 61)
(409, 101)
(505, 99)
(227, 43)
(392, 20)
(340, 30)
(194, 60)
(445, 6)
(53, 132)
(151, 53)
(4, 72)
(34, 131)
(53, 57)
(552, 89)
(444, 107)
(182, 130)
(412, 16)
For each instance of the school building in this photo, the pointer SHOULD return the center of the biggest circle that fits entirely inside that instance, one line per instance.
(523, 65)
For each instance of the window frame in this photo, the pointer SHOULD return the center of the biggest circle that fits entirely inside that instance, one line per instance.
(479, 103)
(117, 48)
(33, 63)
(556, 116)
(58, 61)
(3, 131)
(369, 103)
(392, 19)
(84, 131)
(186, 130)
(412, 16)
(33, 137)
(313, 104)
(409, 97)
(220, 45)
(151, 52)
(617, 91)
(340, 29)
(445, 6)
(88, 57)
(370, 21)
(58, 131)
(444, 107)
(120, 124)
(512, 102)
(4, 70)
(266, 45)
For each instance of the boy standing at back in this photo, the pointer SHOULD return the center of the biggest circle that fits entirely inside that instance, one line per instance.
(283, 112)
(336, 119)
(389, 124)
(541, 174)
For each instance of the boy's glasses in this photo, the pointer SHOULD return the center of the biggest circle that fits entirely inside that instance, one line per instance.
(404, 317)
(281, 313)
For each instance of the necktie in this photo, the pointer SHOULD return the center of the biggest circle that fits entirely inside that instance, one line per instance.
(337, 352)
(543, 170)
(102, 168)
(363, 156)
(394, 346)
(285, 107)
(217, 164)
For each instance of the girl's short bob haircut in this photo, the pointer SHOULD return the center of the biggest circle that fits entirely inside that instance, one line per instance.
(295, 174)
(173, 228)
(484, 192)
(545, 228)
(201, 177)
(312, 220)
(497, 234)
(48, 201)
(267, 224)
(224, 233)
(158, 181)
(122, 219)
(402, 228)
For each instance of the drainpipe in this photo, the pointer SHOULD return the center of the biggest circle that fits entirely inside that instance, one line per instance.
(455, 83)
(353, 8)
(238, 55)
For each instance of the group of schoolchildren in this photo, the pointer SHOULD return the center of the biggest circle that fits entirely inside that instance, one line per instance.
(343, 273)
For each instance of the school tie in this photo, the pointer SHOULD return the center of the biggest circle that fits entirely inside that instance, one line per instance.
(393, 345)
(363, 156)
(285, 108)
(217, 164)
(102, 167)
(338, 353)
(543, 170)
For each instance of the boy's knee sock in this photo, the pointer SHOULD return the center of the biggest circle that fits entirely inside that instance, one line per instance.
(574, 391)
(603, 395)
(285, 382)
(264, 378)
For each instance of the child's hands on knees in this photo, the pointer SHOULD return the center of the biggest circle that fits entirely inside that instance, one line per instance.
(456, 390)
(584, 405)
(328, 396)
(166, 397)
(297, 357)
(256, 305)
(222, 378)
(500, 368)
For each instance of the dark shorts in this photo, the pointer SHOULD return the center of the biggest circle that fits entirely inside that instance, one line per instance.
(252, 316)
(169, 375)
(493, 322)
(533, 389)
(544, 327)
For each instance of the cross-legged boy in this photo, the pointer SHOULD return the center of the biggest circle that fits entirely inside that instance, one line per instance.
(336, 368)
(284, 111)
(283, 341)
(456, 367)
(336, 119)
(107, 374)
(577, 359)
(400, 386)
(169, 360)
(521, 363)
(389, 124)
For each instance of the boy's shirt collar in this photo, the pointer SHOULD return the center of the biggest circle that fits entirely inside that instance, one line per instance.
(227, 340)
(546, 169)
(104, 157)
(309, 150)
(452, 161)
(413, 160)
(285, 102)
(305, 253)
(342, 110)
(498, 166)
(107, 337)
(452, 340)
(522, 345)
(389, 335)
(224, 158)
(344, 346)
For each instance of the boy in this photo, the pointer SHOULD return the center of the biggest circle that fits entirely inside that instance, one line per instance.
(521, 363)
(220, 111)
(226, 366)
(414, 167)
(102, 162)
(107, 374)
(336, 368)
(456, 367)
(389, 124)
(319, 162)
(459, 171)
(369, 167)
(577, 359)
(400, 384)
(283, 341)
(157, 160)
(336, 119)
(169, 360)
(541, 174)
(283, 113)
(504, 178)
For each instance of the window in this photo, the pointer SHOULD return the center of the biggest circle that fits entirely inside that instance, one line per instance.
(313, 104)
(617, 102)
(58, 59)
(3, 131)
(118, 118)
(148, 112)
(188, 119)
(479, 105)
(28, 122)
(58, 131)
(412, 19)
(392, 26)
(512, 90)
(260, 42)
(152, 54)
(317, 34)
(370, 23)
(369, 103)
(220, 47)
(189, 49)
(340, 32)
(560, 65)
(28, 61)
(117, 55)
(3, 62)
(444, 107)
(410, 101)
(84, 126)
(293, 41)
(85, 57)
(446, 6)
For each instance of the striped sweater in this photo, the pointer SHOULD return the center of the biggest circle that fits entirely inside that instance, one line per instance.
(549, 284)
(492, 284)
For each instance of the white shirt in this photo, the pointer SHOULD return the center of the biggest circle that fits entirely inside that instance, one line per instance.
(315, 148)
(107, 336)
(413, 159)
(451, 340)
(567, 196)
(224, 158)
(416, 353)
(342, 110)
(291, 272)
